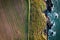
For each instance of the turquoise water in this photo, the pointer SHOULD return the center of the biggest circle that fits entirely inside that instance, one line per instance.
(55, 19)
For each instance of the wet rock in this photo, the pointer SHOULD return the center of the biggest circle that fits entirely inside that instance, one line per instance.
(49, 5)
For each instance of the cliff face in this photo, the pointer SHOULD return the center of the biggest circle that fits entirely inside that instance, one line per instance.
(37, 20)
(13, 22)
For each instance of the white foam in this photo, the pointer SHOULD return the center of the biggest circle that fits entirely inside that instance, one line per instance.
(53, 24)
(49, 14)
(52, 21)
(50, 30)
(53, 8)
(54, 33)
(56, 14)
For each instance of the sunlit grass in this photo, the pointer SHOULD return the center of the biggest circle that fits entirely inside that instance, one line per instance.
(37, 19)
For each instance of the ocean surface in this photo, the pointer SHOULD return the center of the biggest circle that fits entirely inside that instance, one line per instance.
(55, 19)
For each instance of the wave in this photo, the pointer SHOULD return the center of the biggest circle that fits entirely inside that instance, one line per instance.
(52, 33)
(53, 24)
(52, 8)
(56, 14)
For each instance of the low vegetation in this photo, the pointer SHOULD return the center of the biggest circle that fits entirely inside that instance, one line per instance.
(37, 20)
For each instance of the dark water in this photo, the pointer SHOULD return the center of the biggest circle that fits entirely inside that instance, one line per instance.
(55, 19)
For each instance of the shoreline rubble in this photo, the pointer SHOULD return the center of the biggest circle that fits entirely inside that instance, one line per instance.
(49, 6)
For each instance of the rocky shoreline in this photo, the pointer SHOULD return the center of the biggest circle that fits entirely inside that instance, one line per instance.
(49, 6)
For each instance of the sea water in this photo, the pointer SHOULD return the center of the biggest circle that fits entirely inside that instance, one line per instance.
(55, 19)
